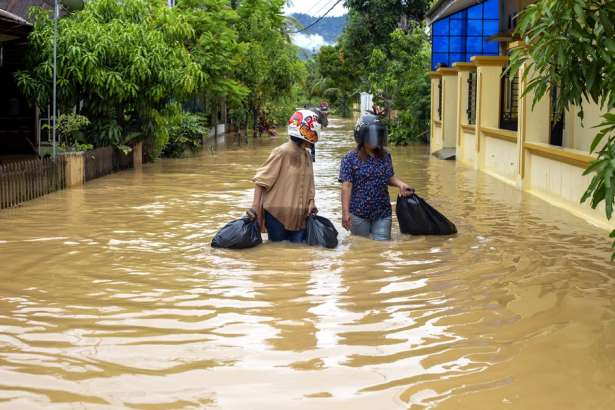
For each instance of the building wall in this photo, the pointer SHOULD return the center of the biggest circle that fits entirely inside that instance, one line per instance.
(582, 133)
(563, 185)
(500, 158)
(538, 121)
(467, 154)
(436, 138)
(449, 106)
(522, 158)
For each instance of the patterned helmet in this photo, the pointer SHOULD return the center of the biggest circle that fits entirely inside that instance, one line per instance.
(304, 124)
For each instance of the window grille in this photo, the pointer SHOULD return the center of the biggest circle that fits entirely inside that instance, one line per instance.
(557, 121)
(440, 99)
(471, 110)
(509, 102)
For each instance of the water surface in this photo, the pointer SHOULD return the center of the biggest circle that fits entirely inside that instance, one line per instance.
(110, 297)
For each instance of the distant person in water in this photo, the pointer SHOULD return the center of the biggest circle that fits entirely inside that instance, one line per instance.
(284, 193)
(366, 172)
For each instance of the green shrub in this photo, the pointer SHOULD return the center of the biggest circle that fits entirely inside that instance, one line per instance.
(186, 132)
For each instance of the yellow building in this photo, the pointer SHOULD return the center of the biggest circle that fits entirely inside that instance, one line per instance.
(479, 113)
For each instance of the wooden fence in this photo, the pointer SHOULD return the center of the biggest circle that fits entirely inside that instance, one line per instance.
(98, 162)
(25, 180)
(122, 161)
(22, 181)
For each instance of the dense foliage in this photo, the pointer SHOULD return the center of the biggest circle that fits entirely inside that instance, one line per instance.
(383, 50)
(570, 44)
(188, 131)
(268, 64)
(126, 65)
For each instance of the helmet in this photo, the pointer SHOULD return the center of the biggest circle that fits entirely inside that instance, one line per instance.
(370, 130)
(304, 124)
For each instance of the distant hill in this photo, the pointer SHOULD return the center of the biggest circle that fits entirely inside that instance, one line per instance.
(330, 28)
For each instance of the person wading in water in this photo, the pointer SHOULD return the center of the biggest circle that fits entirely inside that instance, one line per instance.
(284, 193)
(366, 173)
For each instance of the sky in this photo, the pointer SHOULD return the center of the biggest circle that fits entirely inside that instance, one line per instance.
(309, 41)
(316, 7)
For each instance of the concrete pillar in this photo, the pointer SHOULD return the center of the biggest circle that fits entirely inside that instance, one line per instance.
(489, 71)
(435, 135)
(74, 169)
(463, 74)
(449, 108)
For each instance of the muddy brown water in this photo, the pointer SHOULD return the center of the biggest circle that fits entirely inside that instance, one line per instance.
(110, 297)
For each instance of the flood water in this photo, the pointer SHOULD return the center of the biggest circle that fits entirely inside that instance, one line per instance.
(110, 297)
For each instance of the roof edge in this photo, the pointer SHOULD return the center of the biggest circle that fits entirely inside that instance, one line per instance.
(444, 8)
(6, 15)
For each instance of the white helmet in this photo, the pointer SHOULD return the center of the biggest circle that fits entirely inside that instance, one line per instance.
(304, 125)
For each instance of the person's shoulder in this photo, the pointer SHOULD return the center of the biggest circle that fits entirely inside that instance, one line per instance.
(281, 149)
(350, 155)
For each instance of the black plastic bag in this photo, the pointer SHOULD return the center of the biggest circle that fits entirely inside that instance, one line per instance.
(321, 232)
(417, 217)
(240, 234)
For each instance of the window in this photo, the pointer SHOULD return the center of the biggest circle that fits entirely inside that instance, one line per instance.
(556, 136)
(471, 110)
(440, 99)
(509, 102)
(464, 34)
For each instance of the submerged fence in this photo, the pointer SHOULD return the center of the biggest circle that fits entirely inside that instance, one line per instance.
(25, 180)
(98, 162)
(22, 181)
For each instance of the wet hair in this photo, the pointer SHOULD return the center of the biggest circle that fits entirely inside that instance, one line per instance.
(363, 155)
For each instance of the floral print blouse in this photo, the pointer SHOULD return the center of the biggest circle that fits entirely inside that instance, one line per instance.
(370, 184)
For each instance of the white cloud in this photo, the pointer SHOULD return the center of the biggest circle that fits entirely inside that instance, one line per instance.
(309, 41)
(315, 7)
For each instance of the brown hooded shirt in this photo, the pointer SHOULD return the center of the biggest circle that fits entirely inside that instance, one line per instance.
(288, 179)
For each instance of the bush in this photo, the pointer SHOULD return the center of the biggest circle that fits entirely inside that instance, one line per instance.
(407, 129)
(70, 128)
(186, 132)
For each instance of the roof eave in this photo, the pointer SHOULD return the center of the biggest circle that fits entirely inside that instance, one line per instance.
(444, 8)
(13, 18)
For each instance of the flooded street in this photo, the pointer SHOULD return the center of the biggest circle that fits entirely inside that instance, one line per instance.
(111, 297)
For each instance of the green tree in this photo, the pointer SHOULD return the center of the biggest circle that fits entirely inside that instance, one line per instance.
(570, 44)
(383, 50)
(119, 63)
(268, 64)
(214, 47)
(339, 82)
(401, 84)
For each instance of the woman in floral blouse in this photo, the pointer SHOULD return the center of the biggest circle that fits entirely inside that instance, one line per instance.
(366, 173)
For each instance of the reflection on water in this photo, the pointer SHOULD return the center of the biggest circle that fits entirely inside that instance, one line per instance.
(110, 297)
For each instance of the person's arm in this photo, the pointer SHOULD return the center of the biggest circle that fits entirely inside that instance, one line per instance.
(266, 176)
(256, 210)
(312, 192)
(404, 189)
(346, 192)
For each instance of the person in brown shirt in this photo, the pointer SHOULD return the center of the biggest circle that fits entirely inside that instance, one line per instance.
(284, 192)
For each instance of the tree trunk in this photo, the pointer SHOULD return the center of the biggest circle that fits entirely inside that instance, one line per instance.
(255, 122)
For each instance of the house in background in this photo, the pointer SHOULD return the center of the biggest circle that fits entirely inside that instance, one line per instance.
(22, 131)
(17, 116)
(479, 114)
